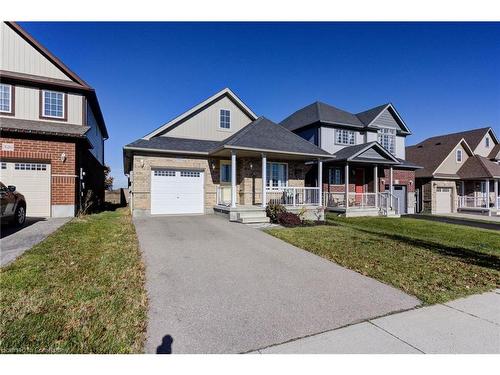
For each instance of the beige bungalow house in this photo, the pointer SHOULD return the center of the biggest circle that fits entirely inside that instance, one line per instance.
(219, 156)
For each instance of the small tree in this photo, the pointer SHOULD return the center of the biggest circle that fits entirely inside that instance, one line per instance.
(108, 179)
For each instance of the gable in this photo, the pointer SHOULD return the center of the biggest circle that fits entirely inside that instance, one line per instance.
(386, 120)
(449, 164)
(205, 123)
(21, 57)
(371, 153)
(481, 148)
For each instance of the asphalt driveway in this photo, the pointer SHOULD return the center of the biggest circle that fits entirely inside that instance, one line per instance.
(221, 287)
(14, 241)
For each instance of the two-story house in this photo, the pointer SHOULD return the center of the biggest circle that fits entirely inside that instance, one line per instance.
(461, 172)
(367, 172)
(52, 129)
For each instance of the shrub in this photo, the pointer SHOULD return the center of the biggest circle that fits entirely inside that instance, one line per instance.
(289, 219)
(273, 211)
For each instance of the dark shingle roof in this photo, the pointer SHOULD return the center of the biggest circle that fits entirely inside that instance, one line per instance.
(479, 167)
(320, 112)
(368, 116)
(431, 152)
(42, 127)
(175, 144)
(266, 135)
(349, 151)
(495, 152)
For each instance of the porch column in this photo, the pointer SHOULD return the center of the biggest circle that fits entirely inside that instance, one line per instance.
(264, 177)
(375, 183)
(346, 189)
(320, 181)
(487, 183)
(497, 206)
(462, 183)
(233, 178)
(391, 189)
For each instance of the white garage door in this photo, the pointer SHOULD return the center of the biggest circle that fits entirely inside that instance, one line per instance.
(176, 191)
(33, 181)
(443, 200)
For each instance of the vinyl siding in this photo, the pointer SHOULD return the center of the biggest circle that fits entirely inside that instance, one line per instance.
(481, 148)
(386, 120)
(95, 136)
(27, 106)
(206, 124)
(328, 139)
(19, 56)
(450, 165)
(400, 147)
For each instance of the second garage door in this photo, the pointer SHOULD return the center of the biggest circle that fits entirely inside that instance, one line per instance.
(443, 200)
(176, 192)
(33, 181)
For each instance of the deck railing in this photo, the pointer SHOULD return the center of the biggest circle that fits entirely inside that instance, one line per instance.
(355, 200)
(388, 202)
(472, 202)
(293, 196)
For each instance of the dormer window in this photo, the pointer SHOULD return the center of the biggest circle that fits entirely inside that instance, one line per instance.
(344, 137)
(6, 99)
(387, 138)
(53, 105)
(487, 142)
(225, 119)
(459, 156)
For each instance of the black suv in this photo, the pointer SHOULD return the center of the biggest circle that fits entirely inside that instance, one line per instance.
(13, 205)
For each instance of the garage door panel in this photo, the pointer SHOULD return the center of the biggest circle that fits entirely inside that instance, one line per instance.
(176, 192)
(443, 200)
(33, 180)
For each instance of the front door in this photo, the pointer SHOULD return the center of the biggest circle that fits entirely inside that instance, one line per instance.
(359, 181)
(400, 192)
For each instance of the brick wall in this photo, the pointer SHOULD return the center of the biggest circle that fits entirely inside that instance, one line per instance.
(63, 172)
(400, 177)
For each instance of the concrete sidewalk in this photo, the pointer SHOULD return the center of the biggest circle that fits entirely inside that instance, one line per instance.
(467, 325)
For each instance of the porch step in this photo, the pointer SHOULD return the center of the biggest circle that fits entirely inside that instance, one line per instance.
(252, 213)
(253, 220)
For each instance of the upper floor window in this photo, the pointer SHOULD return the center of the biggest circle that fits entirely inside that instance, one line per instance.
(335, 176)
(53, 104)
(6, 102)
(344, 137)
(225, 119)
(459, 156)
(487, 142)
(387, 138)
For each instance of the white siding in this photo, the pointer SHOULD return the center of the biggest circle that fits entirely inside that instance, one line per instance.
(95, 136)
(400, 147)
(481, 148)
(205, 124)
(28, 104)
(19, 56)
(328, 139)
(370, 136)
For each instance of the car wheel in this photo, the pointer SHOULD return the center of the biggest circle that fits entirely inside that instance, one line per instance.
(20, 216)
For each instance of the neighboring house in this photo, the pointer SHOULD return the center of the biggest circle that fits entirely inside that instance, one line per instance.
(52, 130)
(461, 172)
(219, 156)
(367, 173)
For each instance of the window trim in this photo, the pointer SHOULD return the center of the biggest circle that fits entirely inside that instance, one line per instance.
(221, 163)
(348, 131)
(459, 151)
(220, 119)
(487, 142)
(12, 111)
(269, 171)
(42, 106)
(393, 133)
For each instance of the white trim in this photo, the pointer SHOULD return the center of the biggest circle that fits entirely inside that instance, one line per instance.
(446, 157)
(268, 151)
(63, 104)
(10, 99)
(369, 145)
(225, 92)
(264, 178)
(220, 119)
(407, 129)
(165, 151)
(271, 171)
(459, 151)
(349, 132)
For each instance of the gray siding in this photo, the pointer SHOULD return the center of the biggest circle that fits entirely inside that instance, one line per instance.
(327, 137)
(386, 120)
(95, 136)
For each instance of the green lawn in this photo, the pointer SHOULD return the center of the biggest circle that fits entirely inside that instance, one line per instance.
(79, 291)
(435, 262)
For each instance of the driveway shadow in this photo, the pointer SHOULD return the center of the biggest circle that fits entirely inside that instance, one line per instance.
(8, 229)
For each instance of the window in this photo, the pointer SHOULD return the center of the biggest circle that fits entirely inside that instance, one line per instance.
(6, 98)
(4, 165)
(344, 137)
(190, 174)
(225, 171)
(459, 156)
(487, 142)
(335, 176)
(387, 138)
(225, 119)
(53, 104)
(164, 173)
(30, 166)
(277, 175)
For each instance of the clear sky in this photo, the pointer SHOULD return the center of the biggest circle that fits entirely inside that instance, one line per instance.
(441, 77)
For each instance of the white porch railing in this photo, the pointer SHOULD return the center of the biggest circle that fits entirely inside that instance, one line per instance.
(472, 202)
(293, 196)
(388, 202)
(223, 194)
(355, 200)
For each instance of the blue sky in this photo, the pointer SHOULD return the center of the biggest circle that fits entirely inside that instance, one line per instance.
(441, 77)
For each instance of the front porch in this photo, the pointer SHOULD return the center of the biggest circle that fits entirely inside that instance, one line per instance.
(479, 197)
